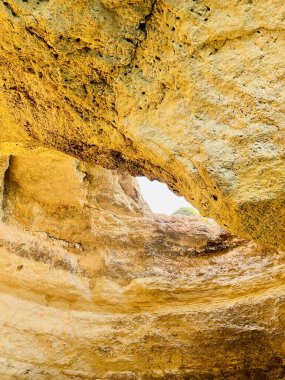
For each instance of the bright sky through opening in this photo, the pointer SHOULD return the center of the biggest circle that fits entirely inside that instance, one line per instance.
(160, 199)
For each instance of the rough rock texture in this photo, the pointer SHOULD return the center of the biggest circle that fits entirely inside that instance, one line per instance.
(94, 286)
(189, 92)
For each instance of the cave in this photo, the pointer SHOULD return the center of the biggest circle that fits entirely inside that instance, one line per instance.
(94, 283)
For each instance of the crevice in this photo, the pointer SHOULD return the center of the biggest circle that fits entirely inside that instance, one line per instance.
(5, 189)
(43, 254)
(143, 27)
(69, 244)
(148, 17)
(221, 245)
(167, 247)
(40, 38)
(11, 9)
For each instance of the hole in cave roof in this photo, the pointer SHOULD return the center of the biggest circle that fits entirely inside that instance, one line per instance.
(162, 200)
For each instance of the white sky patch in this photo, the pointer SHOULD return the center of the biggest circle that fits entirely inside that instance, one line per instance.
(160, 199)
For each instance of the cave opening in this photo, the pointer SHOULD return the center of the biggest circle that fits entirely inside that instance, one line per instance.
(162, 200)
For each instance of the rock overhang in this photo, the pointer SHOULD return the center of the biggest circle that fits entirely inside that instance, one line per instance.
(187, 93)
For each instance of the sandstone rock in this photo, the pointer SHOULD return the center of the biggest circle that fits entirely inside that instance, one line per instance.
(188, 92)
(94, 286)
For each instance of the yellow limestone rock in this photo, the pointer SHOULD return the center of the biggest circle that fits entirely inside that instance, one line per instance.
(188, 92)
(94, 286)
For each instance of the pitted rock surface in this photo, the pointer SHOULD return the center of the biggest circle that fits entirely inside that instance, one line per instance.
(188, 92)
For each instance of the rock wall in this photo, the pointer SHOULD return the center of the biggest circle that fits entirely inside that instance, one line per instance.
(188, 92)
(94, 286)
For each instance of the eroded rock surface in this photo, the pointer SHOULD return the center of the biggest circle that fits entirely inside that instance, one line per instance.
(188, 92)
(94, 286)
